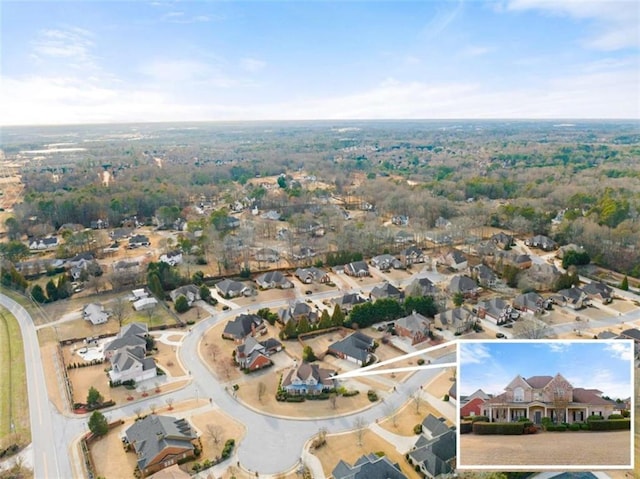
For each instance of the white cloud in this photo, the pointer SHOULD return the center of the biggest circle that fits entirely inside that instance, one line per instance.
(558, 346)
(441, 21)
(615, 22)
(73, 45)
(620, 350)
(252, 65)
(167, 73)
(474, 353)
(475, 51)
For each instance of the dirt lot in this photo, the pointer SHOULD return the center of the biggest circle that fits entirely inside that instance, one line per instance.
(547, 448)
(622, 306)
(266, 295)
(344, 446)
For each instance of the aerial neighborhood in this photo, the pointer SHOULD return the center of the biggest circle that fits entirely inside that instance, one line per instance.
(174, 324)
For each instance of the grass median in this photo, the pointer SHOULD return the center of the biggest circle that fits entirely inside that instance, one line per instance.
(14, 406)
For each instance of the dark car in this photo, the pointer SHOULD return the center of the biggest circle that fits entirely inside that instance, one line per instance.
(509, 325)
(500, 335)
(308, 292)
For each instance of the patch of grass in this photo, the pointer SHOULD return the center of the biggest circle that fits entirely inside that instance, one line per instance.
(14, 406)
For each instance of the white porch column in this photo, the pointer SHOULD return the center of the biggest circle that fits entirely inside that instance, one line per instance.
(566, 414)
(508, 414)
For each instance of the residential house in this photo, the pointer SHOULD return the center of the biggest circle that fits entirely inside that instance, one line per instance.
(127, 355)
(542, 242)
(145, 303)
(244, 325)
(308, 379)
(400, 220)
(503, 240)
(443, 223)
(415, 326)
(569, 247)
(632, 333)
(606, 335)
(348, 301)
(455, 260)
(435, 450)
(531, 302)
(160, 442)
(137, 241)
(253, 354)
(356, 347)
(120, 233)
(540, 276)
(304, 252)
(229, 288)
(312, 275)
(385, 262)
(598, 291)
(171, 472)
(358, 269)
(546, 396)
(41, 244)
(273, 279)
(271, 215)
(403, 237)
(370, 466)
(99, 224)
(172, 258)
(412, 255)
(95, 313)
(189, 291)
(485, 276)
(465, 285)
(522, 261)
(386, 290)
(422, 287)
(496, 310)
(296, 312)
(267, 254)
(472, 407)
(574, 298)
(458, 320)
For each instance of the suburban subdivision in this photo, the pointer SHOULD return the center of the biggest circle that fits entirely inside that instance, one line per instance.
(190, 301)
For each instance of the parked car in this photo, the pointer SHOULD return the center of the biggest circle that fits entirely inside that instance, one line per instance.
(500, 335)
(508, 325)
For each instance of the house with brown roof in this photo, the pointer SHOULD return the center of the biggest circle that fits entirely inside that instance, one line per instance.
(546, 396)
(308, 379)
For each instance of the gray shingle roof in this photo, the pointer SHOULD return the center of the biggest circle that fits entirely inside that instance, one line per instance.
(355, 345)
(368, 467)
(242, 325)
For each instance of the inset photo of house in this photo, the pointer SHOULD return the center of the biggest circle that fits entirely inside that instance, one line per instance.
(539, 405)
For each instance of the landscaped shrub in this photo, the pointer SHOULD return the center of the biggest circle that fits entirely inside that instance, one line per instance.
(294, 399)
(479, 418)
(610, 424)
(615, 416)
(228, 448)
(347, 394)
(574, 427)
(420, 362)
(505, 428)
(531, 429)
(546, 420)
(556, 428)
(417, 429)
(466, 427)
(585, 426)
(445, 398)
(595, 417)
(372, 395)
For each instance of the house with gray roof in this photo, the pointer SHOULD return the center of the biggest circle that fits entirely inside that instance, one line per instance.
(41, 244)
(308, 379)
(386, 290)
(465, 285)
(189, 291)
(531, 302)
(458, 320)
(244, 325)
(127, 355)
(599, 291)
(296, 312)
(385, 262)
(312, 275)
(485, 276)
(370, 466)
(131, 335)
(541, 241)
(455, 260)
(574, 297)
(358, 269)
(160, 441)
(95, 313)
(356, 347)
(435, 456)
(412, 255)
(422, 287)
(414, 326)
(348, 301)
(253, 354)
(496, 310)
(229, 288)
(267, 254)
(273, 279)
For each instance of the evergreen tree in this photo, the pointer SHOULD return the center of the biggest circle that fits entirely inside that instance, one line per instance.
(182, 304)
(205, 293)
(155, 286)
(625, 284)
(337, 318)
(303, 325)
(64, 287)
(308, 355)
(289, 330)
(52, 290)
(94, 397)
(38, 294)
(325, 320)
(98, 424)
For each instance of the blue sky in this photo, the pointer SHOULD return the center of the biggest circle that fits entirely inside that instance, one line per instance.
(491, 365)
(81, 62)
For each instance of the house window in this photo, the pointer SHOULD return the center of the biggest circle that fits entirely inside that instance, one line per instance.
(518, 394)
(168, 463)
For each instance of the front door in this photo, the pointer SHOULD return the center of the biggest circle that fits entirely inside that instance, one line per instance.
(537, 415)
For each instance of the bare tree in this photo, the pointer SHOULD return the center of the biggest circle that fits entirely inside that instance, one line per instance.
(153, 407)
(95, 283)
(227, 367)
(333, 400)
(138, 412)
(360, 426)
(531, 329)
(213, 350)
(214, 431)
(169, 402)
(392, 414)
(120, 310)
(416, 397)
(262, 388)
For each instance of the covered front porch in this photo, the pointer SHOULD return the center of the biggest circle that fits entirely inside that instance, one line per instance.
(535, 411)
